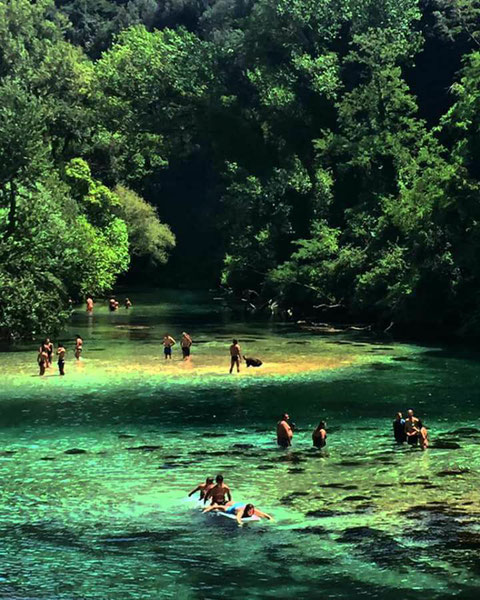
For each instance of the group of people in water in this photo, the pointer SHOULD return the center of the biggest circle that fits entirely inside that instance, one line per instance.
(113, 304)
(285, 429)
(47, 349)
(410, 430)
(220, 497)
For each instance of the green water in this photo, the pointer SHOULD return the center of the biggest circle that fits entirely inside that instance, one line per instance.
(361, 519)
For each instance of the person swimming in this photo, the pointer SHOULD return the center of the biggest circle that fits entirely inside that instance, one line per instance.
(240, 510)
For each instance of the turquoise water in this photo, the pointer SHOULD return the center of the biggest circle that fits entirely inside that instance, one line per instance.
(362, 519)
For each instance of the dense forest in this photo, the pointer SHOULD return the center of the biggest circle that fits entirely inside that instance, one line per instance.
(321, 156)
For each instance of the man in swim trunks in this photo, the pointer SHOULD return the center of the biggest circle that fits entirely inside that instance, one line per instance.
(61, 358)
(219, 493)
(240, 510)
(284, 432)
(186, 343)
(411, 428)
(168, 342)
(203, 488)
(399, 429)
(235, 354)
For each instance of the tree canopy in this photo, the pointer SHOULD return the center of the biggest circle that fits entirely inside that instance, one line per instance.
(320, 152)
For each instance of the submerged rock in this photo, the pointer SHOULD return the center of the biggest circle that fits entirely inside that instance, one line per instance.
(125, 436)
(381, 366)
(452, 472)
(354, 498)
(295, 471)
(144, 448)
(444, 445)
(243, 446)
(265, 467)
(323, 513)
(312, 529)
(212, 434)
(465, 431)
(75, 451)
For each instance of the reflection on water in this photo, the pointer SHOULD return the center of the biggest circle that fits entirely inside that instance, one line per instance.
(95, 467)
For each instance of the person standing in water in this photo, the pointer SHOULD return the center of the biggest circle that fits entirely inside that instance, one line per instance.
(235, 355)
(203, 488)
(284, 432)
(128, 304)
(168, 342)
(399, 429)
(219, 493)
(47, 346)
(422, 435)
(78, 346)
(186, 343)
(42, 359)
(61, 358)
(89, 305)
(411, 428)
(319, 435)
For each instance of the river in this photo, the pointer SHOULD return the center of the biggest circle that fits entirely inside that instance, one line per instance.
(362, 518)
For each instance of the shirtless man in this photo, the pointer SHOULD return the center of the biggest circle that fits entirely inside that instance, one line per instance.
(128, 303)
(411, 428)
(186, 343)
(284, 432)
(168, 342)
(235, 355)
(203, 488)
(61, 358)
(112, 304)
(240, 510)
(219, 493)
(89, 305)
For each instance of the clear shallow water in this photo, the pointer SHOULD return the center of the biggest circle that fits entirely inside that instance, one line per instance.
(362, 519)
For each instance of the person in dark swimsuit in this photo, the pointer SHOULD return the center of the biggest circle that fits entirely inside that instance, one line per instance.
(319, 435)
(399, 429)
(186, 343)
(168, 342)
(61, 358)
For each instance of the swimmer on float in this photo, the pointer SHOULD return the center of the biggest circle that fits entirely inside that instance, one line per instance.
(239, 510)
